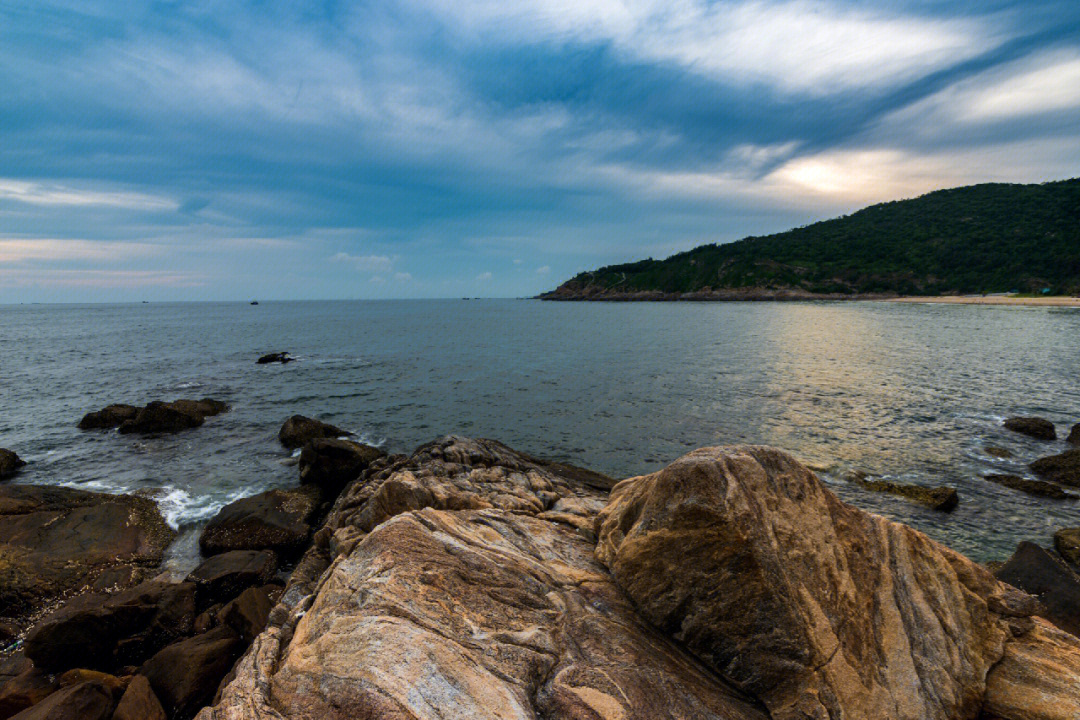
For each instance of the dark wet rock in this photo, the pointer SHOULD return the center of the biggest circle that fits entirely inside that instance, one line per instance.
(1036, 571)
(298, 430)
(1074, 435)
(1035, 427)
(161, 417)
(277, 520)
(56, 540)
(938, 498)
(1063, 468)
(332, 464)
(22, 685)
(225, 576)
(185, 675)
(9, 631)
(1032, 487)
(9, 463)
(109, 417)
(247, 613)
(1067, 543)
(105, 631)
(997, 451)
(85, 701)
(139, 702)
(207, 407)
(77, 676)
(278, 357)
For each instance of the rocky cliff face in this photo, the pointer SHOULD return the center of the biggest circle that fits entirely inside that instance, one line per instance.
(470, 581)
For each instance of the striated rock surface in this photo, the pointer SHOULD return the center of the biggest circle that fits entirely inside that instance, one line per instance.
(54, 540)
(1038, 677)
(465, 586)
(818, 609)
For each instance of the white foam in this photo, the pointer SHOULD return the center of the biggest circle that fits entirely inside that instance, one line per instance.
(179, 507)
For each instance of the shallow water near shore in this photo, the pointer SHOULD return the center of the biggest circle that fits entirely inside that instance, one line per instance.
(909, 392)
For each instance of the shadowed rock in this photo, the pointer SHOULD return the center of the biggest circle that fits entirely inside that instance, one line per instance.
(1031, 487)
(331, 464)
(85, 701)
(224, 576)
(1036, 571)
(1067, 543)
(938, 498)
(274, 520)
(139, 702)
(9, 463)
(185, 675)
(22, 685)
(1074, 435)
(1063, 468)
(278, 357)
(299, 430)
(247, 613)
(108, 417)
(997, 451)
(1035, 427)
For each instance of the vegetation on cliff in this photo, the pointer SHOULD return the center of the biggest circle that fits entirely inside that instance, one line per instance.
(976, 239)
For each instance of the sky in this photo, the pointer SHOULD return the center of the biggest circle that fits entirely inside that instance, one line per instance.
(429, 148)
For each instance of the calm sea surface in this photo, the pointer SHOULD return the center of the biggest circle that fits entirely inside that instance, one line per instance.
(908, 392)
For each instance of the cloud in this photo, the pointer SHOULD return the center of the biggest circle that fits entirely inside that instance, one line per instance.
(402, 277)
(100, 279)
(484, 276)
(543, 270)
(366, 263)
(56, 194)
(15, 250)
(806, 46)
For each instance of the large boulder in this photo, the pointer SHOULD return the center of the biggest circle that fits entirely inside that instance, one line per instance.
(56, 540)
(185, 675)
(1063, 468)
(9, 463)
(1035, 427)
(816, 608)
(1039, 573)
(224, 576)
(275, 520)
(139, 702)
(22, 685)
(247, 613)
(331, 464)
(298, 430)
(161, 417)
(85, 701)
(107, 631)
(110, 416)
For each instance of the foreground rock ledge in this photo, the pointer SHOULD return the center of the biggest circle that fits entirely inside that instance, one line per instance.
(464, 582)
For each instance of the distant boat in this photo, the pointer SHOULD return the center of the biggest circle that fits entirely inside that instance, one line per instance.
(254, 302)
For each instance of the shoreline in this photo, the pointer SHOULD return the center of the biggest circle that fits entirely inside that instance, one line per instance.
(1053, 301)
(763, 295)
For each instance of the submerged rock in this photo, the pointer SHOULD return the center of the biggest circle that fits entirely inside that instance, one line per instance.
(1039, 573)
(56, 540)
(938, 498)
(1032, 487)
(1035, 427)
(998, 451)
(108, 417)
(299, 430)
(1063, 468)
(9, 463)
(275, 520)
(1067, 543)
(278, 357)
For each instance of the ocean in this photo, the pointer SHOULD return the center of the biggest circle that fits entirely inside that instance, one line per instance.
(908, 392)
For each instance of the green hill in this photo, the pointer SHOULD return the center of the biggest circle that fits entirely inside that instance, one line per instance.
(976, 239)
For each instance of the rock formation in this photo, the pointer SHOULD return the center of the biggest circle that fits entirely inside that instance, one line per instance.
(9, 463)
(1063, 468)
(277, 357)
(1049, 580)
(1067, 543)
(155, 417)
(277, 520)
(298, 430)
(1031, 487)
(1035, 427)
(940, 498)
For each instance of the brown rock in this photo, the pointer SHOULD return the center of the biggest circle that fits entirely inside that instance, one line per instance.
(1037, 677)
(331, 464)
(139, 702)
(1039, 573)
(161, 417)
(24, 687)
(1031, 487)
(9, 463)
(85, 701)
(1067, 543)
(298, 430)
(247, 613)
(997, 451)
(938, 498)
(108, 417)
(54, 540)
(1063, 468)
(1032, 426)
(274, 520)
(113, 684)
(818, 609)
(1074, 435)
(185, 674)
(226, 575)
(207, 407)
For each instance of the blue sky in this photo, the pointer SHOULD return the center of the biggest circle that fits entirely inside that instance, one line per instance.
(428, 148)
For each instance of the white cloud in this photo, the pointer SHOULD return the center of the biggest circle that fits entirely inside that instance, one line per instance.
(402, 277)
(366, 263)
(13, 250)
(809, 46)
(543, 270)
(484, 276)
(51, 193)
(96, 278)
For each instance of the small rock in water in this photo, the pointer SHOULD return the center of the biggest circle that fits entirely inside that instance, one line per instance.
(998, 452)
(278, 357)
(1032, 487)
(1074, 435)
(1035, 427)
(9, 463)
(108, 417)
(939, 498)
(155, 417)
(1067, 543)
(298, 430)
(1063, 468)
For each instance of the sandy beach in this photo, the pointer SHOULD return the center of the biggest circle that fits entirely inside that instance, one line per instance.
(1054, 301)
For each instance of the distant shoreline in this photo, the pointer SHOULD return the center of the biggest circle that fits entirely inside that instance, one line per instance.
(1052, 301)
